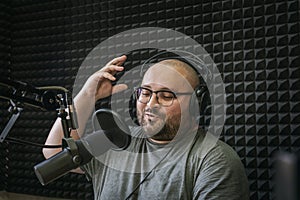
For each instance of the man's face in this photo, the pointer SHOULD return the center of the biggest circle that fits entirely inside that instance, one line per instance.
(160, 122)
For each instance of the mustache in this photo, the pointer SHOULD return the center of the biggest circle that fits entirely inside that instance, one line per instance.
(153, 111)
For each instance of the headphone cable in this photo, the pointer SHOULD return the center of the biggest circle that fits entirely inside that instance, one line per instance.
(146, 176)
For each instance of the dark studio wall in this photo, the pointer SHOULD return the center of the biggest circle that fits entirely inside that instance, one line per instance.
(255, 45)
(4, 71)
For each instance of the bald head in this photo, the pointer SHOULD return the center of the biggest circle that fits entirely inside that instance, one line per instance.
(183, 69)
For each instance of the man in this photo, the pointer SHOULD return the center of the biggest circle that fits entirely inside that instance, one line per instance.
(167, 158)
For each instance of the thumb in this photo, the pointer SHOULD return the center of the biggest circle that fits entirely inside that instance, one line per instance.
(118, 88)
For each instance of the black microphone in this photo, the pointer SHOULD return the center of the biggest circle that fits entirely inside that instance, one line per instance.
(80, 152)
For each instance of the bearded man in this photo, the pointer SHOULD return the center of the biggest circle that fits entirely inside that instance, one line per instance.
(168, 157)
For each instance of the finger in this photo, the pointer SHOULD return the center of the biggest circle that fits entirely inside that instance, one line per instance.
(122, 60)
(114, 68)
(117, 61)
(108, 76)
(118, 88)
(111, 68)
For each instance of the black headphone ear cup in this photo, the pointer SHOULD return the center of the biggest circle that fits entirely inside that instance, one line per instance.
(132, 108)
(193, 101)
(198, 98)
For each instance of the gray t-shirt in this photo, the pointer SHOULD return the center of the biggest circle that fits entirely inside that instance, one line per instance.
(197, 167)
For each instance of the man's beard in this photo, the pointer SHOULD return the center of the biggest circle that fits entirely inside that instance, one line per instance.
(162, 128)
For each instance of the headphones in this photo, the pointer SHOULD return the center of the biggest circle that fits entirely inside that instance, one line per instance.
(200, 95)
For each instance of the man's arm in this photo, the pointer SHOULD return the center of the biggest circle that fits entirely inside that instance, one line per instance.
(97, 86)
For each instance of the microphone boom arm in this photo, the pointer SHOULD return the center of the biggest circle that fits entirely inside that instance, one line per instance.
(44, 98)
(16, 113)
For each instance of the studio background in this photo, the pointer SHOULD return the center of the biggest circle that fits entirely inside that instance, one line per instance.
(255, 45)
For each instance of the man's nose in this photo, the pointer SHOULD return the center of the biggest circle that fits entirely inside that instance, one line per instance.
(153, 102)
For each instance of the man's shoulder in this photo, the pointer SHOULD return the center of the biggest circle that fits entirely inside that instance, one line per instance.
(210, 147)
(219, 166)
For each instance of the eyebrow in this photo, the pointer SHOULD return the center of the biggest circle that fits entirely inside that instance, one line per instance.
(163, 88)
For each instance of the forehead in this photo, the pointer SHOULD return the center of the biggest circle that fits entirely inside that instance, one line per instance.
(166, 76)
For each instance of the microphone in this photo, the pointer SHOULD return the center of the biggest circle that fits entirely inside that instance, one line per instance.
(114, 135)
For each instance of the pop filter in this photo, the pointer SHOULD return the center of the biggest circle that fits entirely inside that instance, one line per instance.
(113, 126)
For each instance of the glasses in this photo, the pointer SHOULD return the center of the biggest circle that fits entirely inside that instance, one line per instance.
(163, 97)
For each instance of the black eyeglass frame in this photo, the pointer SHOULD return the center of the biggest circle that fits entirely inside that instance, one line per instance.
(175, 94)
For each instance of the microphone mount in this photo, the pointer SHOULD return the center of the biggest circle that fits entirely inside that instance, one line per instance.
(21, 94)
(74, 153)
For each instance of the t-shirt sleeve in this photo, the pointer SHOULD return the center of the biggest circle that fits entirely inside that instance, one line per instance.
(221, 176)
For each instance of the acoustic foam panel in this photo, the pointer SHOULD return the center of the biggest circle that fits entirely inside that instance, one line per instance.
(4, 71)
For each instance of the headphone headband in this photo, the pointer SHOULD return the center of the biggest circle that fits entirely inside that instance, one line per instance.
(192, 60)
